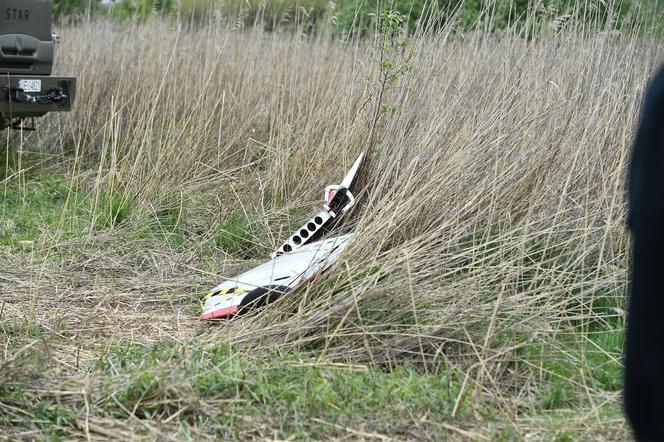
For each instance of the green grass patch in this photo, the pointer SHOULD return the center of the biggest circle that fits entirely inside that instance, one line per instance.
(291, 388)
(36, 209)
(219, 388)
(24, 408)
(238, 236)
(572, 363)
(45, 209)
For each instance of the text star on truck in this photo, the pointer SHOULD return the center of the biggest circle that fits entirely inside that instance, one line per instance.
(27, 89)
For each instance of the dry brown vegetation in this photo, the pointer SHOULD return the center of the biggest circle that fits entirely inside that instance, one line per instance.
(489, 239)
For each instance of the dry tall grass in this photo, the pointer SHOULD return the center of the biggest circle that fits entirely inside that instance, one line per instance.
(491, 216)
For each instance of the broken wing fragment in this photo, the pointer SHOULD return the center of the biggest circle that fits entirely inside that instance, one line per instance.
(298, 259)
(268, 281)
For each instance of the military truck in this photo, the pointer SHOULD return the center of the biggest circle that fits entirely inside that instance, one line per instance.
(27, 89)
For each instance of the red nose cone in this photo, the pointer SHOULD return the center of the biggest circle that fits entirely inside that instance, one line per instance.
(221, 313)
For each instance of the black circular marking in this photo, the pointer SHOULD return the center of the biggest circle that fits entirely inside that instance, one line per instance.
(318, 220)
(297, 239)
(311, 227)
(261, 296)
(304, 233)
(287, 248)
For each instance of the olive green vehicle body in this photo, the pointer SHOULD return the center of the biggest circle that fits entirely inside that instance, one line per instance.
(27, 45)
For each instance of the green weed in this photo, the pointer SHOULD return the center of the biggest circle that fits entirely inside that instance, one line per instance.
(236, 237)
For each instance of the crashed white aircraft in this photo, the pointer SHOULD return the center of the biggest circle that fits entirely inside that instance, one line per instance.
(297, 260)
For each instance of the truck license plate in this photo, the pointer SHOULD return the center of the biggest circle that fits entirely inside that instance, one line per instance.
(30, 85)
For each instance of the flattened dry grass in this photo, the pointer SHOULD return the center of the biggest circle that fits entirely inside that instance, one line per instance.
(490, 246)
